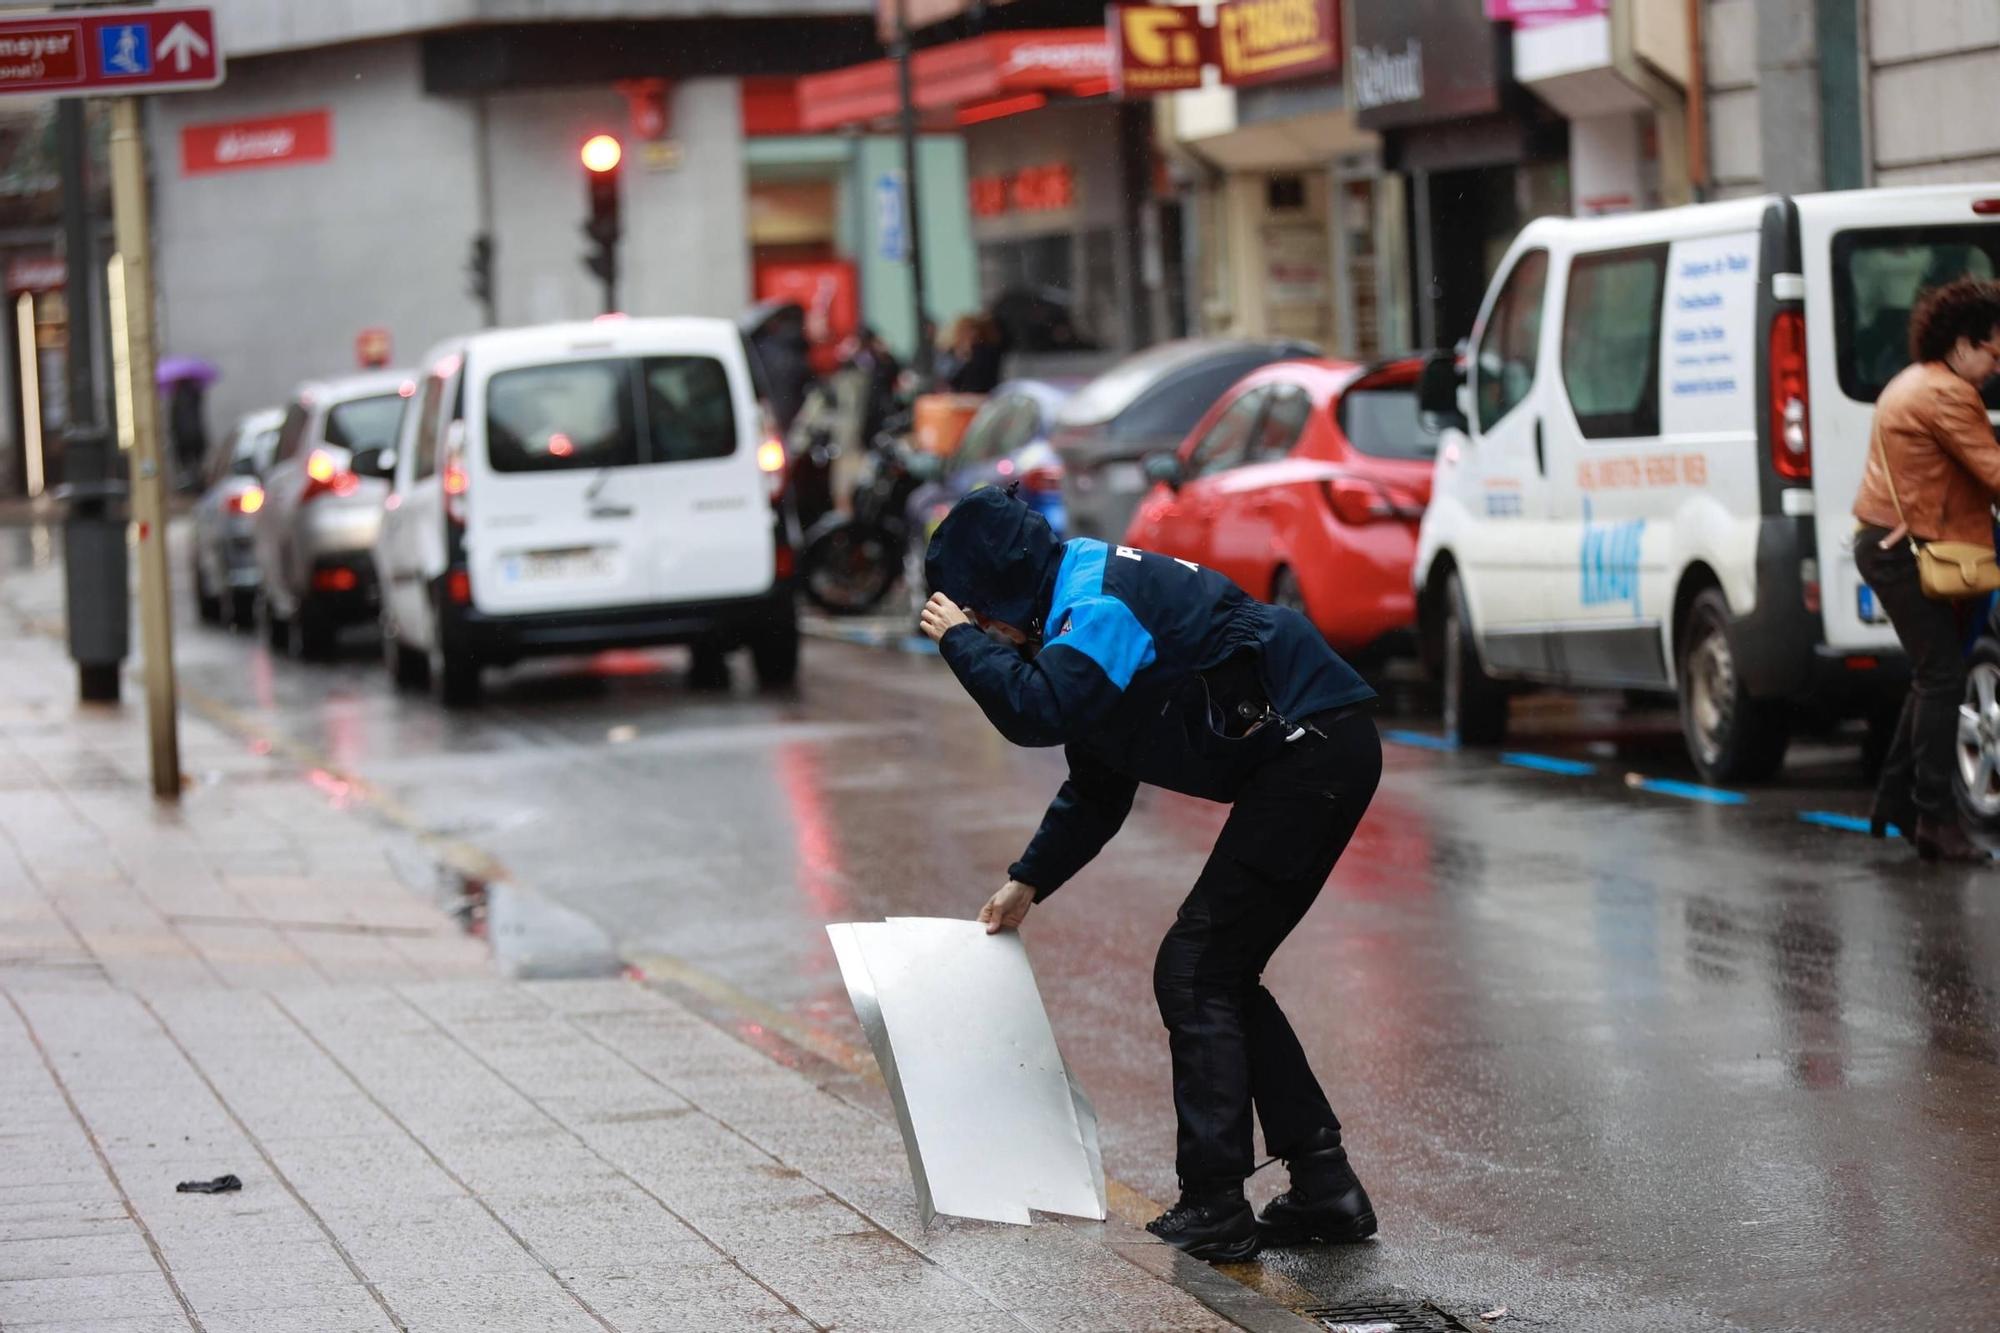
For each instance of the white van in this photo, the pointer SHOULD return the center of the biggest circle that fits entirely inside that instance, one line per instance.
(574, 487)
(1652, 455)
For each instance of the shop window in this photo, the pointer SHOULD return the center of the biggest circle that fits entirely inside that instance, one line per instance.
(1611, 342)
(1285, 194)
(1510, 344)
(1224, 446)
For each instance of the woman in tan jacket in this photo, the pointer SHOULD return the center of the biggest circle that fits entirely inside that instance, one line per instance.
(1932, 427)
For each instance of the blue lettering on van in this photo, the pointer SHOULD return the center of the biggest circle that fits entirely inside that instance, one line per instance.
(1609, 562)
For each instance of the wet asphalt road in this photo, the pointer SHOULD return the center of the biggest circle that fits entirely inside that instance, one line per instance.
(1612, 1057)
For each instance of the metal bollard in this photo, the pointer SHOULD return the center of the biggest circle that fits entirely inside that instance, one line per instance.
(95, 563)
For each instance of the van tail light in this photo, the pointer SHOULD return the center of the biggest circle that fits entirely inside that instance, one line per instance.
(1358, 502)
(458, 587)
(324, 476)
(786, 562)
(1791, 409)
(1986, 208)
(457, 484)
(773, 462)
(1044, 480)
(247, 501)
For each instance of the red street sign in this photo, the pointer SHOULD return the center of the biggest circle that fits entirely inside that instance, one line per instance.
(270, 141)
(105, 52)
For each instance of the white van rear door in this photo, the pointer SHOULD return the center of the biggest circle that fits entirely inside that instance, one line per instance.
(707, 508)
(554, 521)
(1867, 254)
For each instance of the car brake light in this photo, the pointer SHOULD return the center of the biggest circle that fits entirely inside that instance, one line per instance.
(786, 561)
(337, 579)
(456, 483)
(247, 501)
(1359, 502)
(1986, 208)
(325, 476)
(458, 587)
(1791, 409)
(1044, 480)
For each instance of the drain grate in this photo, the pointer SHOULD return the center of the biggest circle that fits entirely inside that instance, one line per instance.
(1385, 1316)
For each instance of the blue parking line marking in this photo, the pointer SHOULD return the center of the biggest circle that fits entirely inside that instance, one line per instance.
(1543, 763)
(1689, 791)
(1420, 740)
(1845, 823)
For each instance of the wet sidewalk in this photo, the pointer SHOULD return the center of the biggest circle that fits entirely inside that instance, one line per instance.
(258, 985)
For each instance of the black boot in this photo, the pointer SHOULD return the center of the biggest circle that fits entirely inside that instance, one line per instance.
(1326, 1201)
(1212, 1221)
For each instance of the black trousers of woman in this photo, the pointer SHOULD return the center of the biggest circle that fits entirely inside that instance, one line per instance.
(1917, 770)
(1232, 1046)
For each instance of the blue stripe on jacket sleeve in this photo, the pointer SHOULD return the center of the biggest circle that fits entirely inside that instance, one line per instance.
(1104, 630)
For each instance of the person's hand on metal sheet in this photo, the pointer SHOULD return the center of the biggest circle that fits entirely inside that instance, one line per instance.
(1007, 909)
(939, 615)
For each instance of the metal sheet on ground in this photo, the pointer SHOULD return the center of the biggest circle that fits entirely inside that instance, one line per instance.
(994, 1122)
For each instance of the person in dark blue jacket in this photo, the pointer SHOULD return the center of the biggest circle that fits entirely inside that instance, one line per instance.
(1155, 670)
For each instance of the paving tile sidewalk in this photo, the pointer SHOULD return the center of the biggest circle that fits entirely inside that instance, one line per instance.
(256, 984)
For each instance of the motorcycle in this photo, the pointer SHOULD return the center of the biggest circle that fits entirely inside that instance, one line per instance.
(851, 562)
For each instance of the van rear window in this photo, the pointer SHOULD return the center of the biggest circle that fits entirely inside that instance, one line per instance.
(1877, 276)
(365, 423)
(611, 413)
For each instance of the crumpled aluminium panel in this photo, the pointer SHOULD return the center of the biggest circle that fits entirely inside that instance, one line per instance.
(994, 1122)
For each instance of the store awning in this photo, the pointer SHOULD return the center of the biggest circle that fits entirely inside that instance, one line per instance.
(996, 73)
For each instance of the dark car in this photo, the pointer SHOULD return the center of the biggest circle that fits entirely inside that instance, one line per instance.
(1145, 404)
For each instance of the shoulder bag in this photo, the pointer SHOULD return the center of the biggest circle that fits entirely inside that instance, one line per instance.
(1947, 571)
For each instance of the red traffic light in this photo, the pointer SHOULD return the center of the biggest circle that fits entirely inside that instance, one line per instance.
(601, 153)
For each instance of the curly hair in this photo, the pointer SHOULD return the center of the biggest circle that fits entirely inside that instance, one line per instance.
(1962, 308)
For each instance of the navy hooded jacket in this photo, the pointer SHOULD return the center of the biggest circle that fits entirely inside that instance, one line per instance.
(1125, 636)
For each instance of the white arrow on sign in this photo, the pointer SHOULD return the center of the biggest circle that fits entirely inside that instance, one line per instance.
(183, 44)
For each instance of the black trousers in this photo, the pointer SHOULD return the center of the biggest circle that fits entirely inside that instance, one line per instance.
(1917, 770)
(1232, 1047)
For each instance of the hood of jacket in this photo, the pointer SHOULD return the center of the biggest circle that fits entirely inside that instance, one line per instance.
(994, 555)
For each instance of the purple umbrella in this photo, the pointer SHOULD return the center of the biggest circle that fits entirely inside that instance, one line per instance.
(173, 370)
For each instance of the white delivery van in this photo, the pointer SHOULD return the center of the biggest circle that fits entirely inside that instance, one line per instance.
(574, 487)
(1653, 448)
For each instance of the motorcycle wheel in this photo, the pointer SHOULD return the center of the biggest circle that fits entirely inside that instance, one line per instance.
(848, 569)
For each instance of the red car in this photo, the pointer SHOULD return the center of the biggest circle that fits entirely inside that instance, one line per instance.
(1304, 484)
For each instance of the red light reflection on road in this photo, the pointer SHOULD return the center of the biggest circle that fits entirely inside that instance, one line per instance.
(821, 874)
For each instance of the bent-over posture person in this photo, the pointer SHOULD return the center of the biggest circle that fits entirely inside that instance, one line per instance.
(1151, 669)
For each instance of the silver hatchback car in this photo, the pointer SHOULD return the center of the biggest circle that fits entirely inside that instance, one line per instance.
(323, 495)
(225, 519)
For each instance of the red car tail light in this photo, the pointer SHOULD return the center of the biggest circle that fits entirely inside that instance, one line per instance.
(1358, 502)
(247, 501)
(457, 484)
(1791, 408)
(326, 476)
(337, 579)
(458, 587)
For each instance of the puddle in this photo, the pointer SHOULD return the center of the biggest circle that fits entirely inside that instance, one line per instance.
(532, 938)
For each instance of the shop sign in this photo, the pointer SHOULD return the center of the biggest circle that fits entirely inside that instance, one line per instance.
(1541, 11)
(272, 141)
(36, 273)
(1259, 41)
(1156, 48)
(1420, 61)
(1050, 188)
(828, 290)
(891, 218)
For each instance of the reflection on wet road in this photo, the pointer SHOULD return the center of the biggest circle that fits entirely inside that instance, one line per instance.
(1609, 1055)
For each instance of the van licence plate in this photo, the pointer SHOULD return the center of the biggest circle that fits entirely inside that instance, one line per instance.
(1869, 609)
(580, 562)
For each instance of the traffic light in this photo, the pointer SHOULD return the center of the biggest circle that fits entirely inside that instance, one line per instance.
(479, 274)
(601, 156)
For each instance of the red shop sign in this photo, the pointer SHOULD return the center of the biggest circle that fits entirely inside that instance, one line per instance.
(272, 141)
(1043, 189)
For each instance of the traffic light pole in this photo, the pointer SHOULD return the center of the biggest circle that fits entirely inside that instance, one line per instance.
(133, 366)
(913, 235)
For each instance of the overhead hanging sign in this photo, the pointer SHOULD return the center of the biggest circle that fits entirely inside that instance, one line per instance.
(1262, 41)
(1165, 48)
(106, 52)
